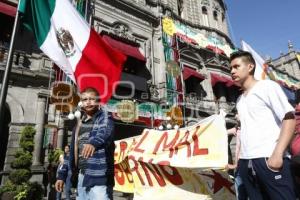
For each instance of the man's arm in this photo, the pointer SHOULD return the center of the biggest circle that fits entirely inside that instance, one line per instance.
(237, 151)
(287, 130)
(100, 135)
(238, 146)
(284, 112)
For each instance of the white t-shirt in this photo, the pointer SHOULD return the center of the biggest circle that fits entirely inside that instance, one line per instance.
(261, 113)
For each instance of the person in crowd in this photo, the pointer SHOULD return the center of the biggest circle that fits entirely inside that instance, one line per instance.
(60, 165)
(240, 190)
(295, 167)
(295, 152)
(267, 126)
(91, 151)
(68, 184)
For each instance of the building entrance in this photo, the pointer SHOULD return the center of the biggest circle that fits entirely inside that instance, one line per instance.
(4, 133)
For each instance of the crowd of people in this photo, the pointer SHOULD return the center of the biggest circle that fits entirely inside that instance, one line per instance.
(264, 168)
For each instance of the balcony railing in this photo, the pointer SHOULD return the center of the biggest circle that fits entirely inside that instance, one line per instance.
(18, 57)
(34, 62)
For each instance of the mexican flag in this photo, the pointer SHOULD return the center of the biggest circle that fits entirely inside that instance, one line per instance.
(68, 40)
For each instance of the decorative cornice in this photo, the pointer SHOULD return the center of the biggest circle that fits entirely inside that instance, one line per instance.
(155, 3)
(44, 93)
(21, 124)
(152, 2)
(205, 2)
(176, 17)
(283, 72)
(129, 7)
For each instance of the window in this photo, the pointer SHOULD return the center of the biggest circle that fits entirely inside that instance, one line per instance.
(204, 10)
(204, 16)
(223, 17)
(192, 79)
(215, 15)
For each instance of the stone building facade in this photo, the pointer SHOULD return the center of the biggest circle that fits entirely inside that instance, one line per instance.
(185, 65)
(287, 71)
(288, 62)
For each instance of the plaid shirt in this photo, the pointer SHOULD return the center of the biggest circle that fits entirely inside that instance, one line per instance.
(100, 166)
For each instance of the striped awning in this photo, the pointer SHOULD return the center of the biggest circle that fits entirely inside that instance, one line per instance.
(8, 9)
(215, 78)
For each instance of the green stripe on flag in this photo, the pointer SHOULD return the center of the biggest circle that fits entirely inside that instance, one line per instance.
(36, 15)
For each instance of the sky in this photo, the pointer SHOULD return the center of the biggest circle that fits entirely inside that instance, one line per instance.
(266, 25)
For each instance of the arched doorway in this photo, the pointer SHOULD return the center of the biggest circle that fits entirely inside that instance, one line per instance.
(4, 133)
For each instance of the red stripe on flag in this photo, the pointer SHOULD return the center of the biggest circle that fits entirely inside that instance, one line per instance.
(100, 67)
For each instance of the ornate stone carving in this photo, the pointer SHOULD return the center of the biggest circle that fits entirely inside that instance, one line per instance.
(153, 91)
(111, 9)
(216, 7)
(205, 2)
(123, 31)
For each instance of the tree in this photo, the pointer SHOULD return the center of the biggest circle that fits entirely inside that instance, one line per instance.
(18, 183)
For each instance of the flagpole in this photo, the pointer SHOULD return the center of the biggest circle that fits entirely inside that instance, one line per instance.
(86, 9)
(4, 86)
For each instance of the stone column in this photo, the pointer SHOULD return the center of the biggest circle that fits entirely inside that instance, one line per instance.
(60, 132)
(51, 113)
(39, 135)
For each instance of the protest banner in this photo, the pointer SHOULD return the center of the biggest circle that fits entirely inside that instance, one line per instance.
(175, 164)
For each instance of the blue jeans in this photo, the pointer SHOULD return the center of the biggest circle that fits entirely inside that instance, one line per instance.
(58, 196)
(99, 192)
(263, 183)
(68, 186)
(240, 190)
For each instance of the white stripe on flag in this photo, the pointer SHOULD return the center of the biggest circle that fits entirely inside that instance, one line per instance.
(65, 16)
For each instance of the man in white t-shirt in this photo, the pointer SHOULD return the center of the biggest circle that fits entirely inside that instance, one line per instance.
(267, 126)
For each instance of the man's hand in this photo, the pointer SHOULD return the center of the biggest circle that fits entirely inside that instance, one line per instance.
(232, 131)
(87, 151)
(275, 162)
(230, 166)
(59, 185)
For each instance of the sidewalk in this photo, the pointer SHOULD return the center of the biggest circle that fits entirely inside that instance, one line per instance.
(117, 196)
